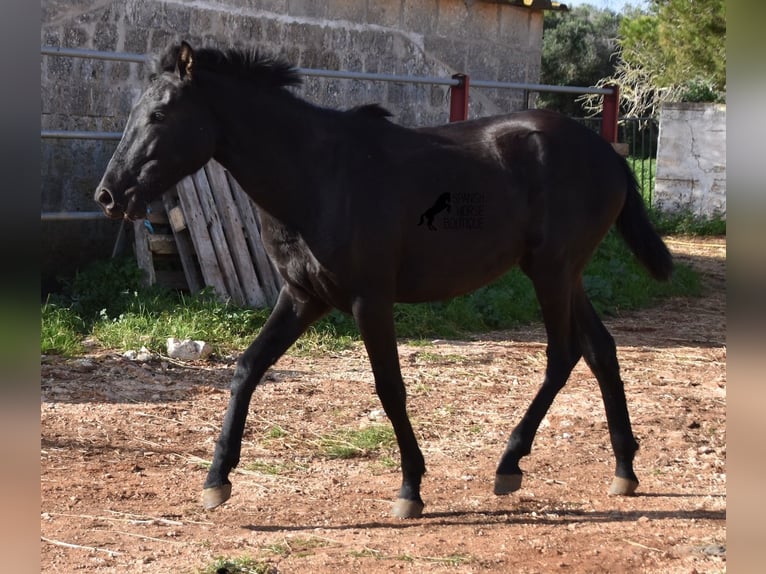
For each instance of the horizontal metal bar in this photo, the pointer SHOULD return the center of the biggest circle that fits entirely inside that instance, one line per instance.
(347, 75)
(539, 87)
(71, 215)
(79, 135)
(343, 74)
(94, 54)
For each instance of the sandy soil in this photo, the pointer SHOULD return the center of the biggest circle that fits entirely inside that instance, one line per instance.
(124, 447)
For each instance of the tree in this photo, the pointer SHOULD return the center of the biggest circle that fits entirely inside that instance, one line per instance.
(578, 49)
(674, 52)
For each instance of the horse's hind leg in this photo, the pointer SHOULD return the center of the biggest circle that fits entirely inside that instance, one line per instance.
(600, 353)
(375, 320)
(293, 314)
(562, 352)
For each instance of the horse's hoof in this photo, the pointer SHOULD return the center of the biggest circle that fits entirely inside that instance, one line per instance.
(404, 508)
(215, 496)
(507, 483)
(623, 486)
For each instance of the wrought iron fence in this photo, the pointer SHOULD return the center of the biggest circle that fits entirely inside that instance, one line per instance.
(641, 135)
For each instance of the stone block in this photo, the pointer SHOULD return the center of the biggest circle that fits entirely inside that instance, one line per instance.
(351, 10)
(448, 51)
(482, 22)
(105, 37)
(482, 62)
(136, 40)
(273, 32)
(311, 8)
(691, 159)
(452, 21)
(420, 16)
(75, 37)
(386, 14)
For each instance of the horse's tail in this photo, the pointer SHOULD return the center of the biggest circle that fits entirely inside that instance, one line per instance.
(639, 233)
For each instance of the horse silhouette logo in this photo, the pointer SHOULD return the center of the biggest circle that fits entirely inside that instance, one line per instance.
(442, 203)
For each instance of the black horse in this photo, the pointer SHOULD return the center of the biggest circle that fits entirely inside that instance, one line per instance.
(340, 193)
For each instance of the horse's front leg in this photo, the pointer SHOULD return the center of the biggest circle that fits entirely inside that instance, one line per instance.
(294, 312)
(375, 319)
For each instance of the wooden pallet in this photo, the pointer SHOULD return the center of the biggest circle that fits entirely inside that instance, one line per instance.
(211, 226)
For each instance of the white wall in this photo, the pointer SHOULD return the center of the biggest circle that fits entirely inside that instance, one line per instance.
(691, 159)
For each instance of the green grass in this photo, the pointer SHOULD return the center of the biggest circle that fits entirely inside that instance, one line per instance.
(297, 546)
(687, 223)
(62, 331)
(107, 304)
(358, 443)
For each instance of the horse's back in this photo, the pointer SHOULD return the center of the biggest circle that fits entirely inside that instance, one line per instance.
(532, 183)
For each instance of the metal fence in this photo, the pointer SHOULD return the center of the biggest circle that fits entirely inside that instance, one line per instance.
(641, 135)
(458, 85)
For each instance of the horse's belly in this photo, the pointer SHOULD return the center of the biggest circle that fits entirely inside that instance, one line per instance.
(459, 268)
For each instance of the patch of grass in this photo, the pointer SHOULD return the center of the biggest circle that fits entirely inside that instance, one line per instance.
(242, 565)
(450, 559)
(386, 463)
(298, 547)
(327, 336)
(107, 304)
(615, 281)
(62, 331)
(687, 223)
(151, 318)
(358, 443)
(275, 432)
(273, 469)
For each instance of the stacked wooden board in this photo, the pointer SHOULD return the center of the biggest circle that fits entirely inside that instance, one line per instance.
(210, 224)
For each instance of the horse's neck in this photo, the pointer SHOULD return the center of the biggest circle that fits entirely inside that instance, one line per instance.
(264, 143)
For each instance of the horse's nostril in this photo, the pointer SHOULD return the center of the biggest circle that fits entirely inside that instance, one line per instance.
(105, 198)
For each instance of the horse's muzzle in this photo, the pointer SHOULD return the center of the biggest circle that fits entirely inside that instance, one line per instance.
(114, 209)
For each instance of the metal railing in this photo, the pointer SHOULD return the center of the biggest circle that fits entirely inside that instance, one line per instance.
(458, 85)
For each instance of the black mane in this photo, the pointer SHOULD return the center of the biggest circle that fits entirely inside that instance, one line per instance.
(248, 64)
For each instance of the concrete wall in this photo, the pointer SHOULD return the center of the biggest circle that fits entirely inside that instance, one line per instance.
(691, 159)
(419, 37)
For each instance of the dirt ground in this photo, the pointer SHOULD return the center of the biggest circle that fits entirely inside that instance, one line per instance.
(124, 447)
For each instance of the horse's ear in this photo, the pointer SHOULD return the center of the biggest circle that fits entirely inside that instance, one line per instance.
(185, 61)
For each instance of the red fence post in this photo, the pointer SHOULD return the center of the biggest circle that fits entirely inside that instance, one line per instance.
(610, 113)
(458, 101)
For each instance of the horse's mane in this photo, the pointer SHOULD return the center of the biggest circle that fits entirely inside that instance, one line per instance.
(247, 64)
(371, 111)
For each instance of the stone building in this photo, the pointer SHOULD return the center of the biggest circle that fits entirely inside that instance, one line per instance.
(487, 39)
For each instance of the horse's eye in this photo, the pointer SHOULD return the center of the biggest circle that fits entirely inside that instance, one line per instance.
(157, 116)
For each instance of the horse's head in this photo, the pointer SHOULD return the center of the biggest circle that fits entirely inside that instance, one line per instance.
(170, 134)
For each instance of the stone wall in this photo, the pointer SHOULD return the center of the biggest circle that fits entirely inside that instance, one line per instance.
(417, 37)
(691, 159)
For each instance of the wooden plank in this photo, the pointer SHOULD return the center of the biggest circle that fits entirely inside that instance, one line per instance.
(203, 244)
(162, 244)
(143, 254)
(218, 237)
(194, 280)
(270, 278)
(176, 218)
(235, 236)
